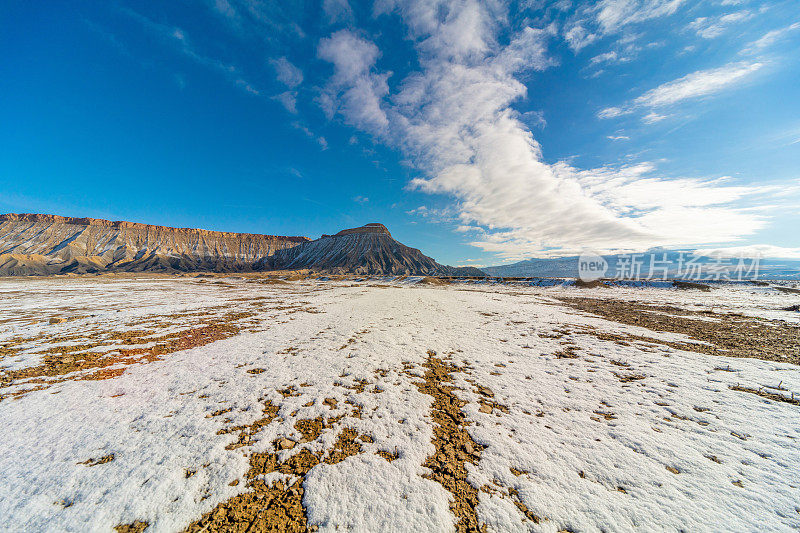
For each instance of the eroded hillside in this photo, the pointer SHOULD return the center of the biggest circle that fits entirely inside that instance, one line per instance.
(32, 244)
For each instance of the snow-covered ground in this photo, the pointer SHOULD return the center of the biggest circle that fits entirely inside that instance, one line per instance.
(579, 431)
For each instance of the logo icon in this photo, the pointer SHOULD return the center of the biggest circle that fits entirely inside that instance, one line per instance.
(591, 267)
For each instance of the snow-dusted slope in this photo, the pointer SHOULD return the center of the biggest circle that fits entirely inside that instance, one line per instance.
(369, 249)
(33, 244)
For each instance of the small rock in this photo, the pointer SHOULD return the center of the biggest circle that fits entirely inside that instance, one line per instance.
(468, 448)
(485, 391)
(286, 444)
(57, 320)
(485, 408)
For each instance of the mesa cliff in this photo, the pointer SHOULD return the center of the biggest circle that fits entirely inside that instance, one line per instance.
(35, 244)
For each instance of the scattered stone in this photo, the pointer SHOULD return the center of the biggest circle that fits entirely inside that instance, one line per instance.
(286, 444)
(94, 462)
(330, 402)
(627, 378)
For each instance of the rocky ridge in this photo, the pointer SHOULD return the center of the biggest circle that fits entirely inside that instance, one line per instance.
(35, 244)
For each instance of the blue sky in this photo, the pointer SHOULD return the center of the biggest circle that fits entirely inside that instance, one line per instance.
(479, 132)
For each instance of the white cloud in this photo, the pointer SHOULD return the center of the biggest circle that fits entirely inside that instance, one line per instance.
(453, 119)
(697, 84)
(287, 73)
(768, 39)
(360, 199)
(624, 49)
(652, 118)
(351, 55)
(465, 229)
(694, 85)
(579, 37)
(246, 86)
(612, 15)
(355, 90)
(713, 27)
(618, 137)
(594, 20)
(611, 112)
(603, 58)
(337, 11)
(289, 101)
(323, 143)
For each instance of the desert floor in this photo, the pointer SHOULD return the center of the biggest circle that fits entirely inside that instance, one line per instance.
(234, 404)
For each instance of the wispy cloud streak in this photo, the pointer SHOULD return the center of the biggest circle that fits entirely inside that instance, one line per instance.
(694, 85)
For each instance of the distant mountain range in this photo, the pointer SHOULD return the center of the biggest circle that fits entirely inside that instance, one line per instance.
(675, 264)
(35, 245)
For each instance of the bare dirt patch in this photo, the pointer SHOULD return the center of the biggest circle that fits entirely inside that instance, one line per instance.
(79, 358)
(727, 335)
(135, 527)
(278, 506)
(246, 432)
(274, 507)
(454, 445)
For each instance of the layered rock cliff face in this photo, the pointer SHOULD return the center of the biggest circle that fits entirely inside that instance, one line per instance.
(33, 244)
(369, 249)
